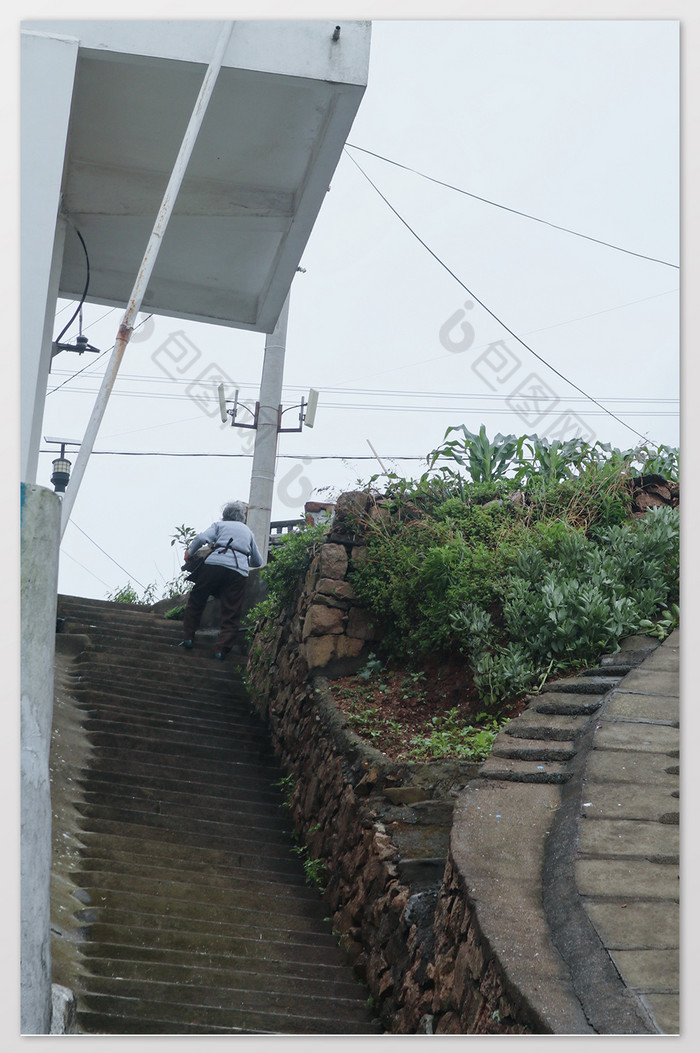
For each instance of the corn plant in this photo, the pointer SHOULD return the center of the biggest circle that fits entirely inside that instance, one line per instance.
(485, 461)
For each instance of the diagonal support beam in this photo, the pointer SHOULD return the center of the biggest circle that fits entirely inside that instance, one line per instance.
(145, 271)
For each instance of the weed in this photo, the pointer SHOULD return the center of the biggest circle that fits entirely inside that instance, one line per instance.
(450, 736)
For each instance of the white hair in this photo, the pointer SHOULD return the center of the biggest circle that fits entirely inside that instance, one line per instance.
(234, 511)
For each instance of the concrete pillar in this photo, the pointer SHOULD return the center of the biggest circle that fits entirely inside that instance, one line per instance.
(262, 479)
(40, 531)
(47, 77)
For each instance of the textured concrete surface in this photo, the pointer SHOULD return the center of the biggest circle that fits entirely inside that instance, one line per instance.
(627, 870)
(574, 864)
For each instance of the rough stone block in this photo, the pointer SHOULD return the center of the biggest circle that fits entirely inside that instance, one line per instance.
(335, 588)
(332, 561)
(358, 554)
(320, 650)
(348, 647)
(322, 621)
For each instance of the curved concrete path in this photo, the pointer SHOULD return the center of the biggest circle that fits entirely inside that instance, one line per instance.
(568, 846)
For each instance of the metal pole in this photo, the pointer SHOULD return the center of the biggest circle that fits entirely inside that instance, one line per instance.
(262, 478)
(145, 271)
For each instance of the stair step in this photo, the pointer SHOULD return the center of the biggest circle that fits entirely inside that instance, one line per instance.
(155, 934)
(146, 896)
(302, 1002)
(236, 973)
(230, 877)
(190, 910)
(112, 785)
(99, 1014)
(547, 726)
(167, 814)
(162, 853)
(248, 780)
(585, 685)
(243, 955)
(241, 847)
(511, 770)
(567, 703)
(533, 749)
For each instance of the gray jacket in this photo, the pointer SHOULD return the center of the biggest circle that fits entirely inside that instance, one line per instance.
(235, 546)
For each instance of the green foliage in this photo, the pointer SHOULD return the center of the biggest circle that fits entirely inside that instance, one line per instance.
(449, 736)
(372, 666)
(664, 626)
(484, 461)
(659, 460)
(177, 586)
(183, 536)
(316, 873)
(128, 594)
(592, 591)
(520, 589)
(176, 613)
(287, 564)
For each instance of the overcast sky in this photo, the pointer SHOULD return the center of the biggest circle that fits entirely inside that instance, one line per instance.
(573, 122)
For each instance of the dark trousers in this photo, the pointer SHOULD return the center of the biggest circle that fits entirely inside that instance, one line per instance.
(228, 586)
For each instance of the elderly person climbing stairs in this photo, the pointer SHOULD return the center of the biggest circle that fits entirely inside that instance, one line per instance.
(223, 574)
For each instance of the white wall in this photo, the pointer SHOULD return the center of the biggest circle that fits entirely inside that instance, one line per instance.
(47, 76)
(291, 48)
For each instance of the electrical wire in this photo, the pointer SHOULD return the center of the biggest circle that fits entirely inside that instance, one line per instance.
(488, 310)
(87, 282)
(94, 361)
(515, 211)
(130, 576)
(87, 569)
(293, 389)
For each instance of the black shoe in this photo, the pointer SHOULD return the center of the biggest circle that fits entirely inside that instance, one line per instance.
(189, 644)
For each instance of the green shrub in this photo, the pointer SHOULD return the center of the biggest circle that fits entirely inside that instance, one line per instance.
(286, 567)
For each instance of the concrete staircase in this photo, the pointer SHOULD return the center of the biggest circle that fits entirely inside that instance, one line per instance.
(192, 913)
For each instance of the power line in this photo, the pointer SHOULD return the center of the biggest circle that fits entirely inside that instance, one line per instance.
(87, 569)
(489, 311)
(515, 211)
(368, 392)
(95, 360)
(247, 456)
(130, 576)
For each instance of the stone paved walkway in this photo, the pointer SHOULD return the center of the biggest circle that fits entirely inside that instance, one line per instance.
(569, 845)
(627, 866)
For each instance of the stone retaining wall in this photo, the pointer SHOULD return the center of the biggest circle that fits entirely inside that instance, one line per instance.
(381, 828)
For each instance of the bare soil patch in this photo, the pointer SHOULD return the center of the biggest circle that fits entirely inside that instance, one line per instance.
(394, 706)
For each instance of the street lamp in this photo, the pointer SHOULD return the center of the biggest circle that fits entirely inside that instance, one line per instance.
(61, 466)
(61, 472)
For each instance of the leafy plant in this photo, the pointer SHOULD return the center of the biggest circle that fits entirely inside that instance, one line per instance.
(372, 666)
(485, 461)
(664, 625)
(450, 736)
(288, 562)
(128, 594)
